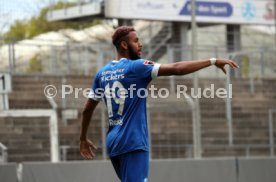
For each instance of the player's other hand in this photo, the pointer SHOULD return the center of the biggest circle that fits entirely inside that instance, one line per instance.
(220, 63)
(87, 149)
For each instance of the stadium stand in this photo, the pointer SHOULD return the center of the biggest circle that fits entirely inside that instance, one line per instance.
(28, 139)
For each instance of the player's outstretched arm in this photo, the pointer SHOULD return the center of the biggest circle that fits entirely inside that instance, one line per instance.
(87, 147)
(186, 67)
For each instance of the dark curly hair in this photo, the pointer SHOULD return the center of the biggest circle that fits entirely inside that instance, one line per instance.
(120, 33)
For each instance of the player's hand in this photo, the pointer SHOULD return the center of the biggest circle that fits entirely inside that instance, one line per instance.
(87, 149)
(220, 63)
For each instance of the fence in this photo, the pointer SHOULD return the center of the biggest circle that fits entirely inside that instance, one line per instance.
(170, 123)
(72, 58)
(4, 154)
(66, 57)
(82, 59)
(62, 58)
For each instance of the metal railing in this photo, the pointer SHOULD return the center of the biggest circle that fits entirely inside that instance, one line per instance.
(5, 89)
(185, 150)
(255, 64)
(271, 130)
(246, 148)
(162, 40)
(4, 153)
(53, 57)
(69, 57)
(228, 107)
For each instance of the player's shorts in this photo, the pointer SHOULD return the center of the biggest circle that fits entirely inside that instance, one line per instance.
(132, 166)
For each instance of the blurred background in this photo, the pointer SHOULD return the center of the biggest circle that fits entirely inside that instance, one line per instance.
(65, 42)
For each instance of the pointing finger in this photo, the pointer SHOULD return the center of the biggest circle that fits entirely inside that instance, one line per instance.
(236, 65)
(232, 65)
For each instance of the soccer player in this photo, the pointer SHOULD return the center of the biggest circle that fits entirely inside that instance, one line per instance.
(117, 84)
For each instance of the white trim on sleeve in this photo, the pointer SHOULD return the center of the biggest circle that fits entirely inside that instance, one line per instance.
(155, 69)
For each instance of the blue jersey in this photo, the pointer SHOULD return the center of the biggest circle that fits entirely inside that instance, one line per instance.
(122, 85)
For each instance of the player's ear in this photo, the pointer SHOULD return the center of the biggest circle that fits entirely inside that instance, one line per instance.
(124, 45)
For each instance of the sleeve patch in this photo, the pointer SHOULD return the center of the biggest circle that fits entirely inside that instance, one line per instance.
(147, 62)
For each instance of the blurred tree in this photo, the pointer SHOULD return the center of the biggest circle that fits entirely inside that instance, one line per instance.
(245, 66)
(23, 29)
(17, 31)
(35, 65)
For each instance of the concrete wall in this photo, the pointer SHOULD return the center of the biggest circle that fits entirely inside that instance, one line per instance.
(94, 171)
(8, 172)
(257, 170)
(193, 170)
(205, 170)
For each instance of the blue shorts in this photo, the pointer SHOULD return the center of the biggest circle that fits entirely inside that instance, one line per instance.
(132, 166)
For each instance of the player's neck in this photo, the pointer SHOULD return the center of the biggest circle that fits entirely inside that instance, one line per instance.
(123, 55)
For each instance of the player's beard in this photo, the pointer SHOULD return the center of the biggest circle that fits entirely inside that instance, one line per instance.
(132, 54)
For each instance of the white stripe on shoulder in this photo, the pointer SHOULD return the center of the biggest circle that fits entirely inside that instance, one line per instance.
(155, 69)
(116, 61)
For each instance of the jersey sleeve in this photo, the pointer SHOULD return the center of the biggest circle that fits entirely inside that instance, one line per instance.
(145, 68)
(96, 93)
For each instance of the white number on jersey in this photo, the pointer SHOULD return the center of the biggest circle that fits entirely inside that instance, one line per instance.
(110, 93)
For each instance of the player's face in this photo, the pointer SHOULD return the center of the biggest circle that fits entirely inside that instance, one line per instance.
(134, 46)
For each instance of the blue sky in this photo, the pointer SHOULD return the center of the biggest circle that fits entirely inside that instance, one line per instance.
(11, 10)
